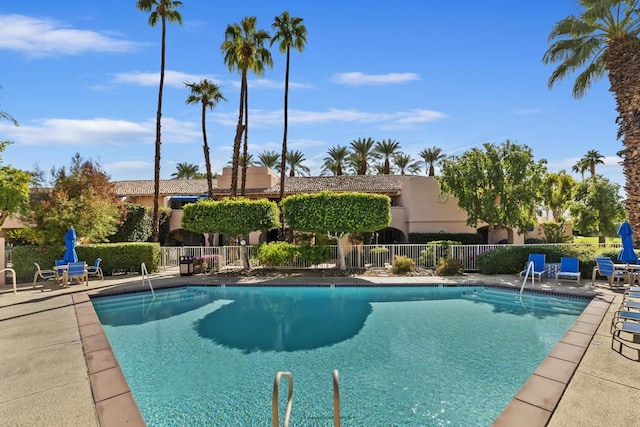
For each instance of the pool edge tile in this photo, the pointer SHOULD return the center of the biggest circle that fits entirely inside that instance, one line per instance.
(118, 411)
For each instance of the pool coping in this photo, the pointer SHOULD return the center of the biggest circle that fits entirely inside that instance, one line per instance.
(533, 405)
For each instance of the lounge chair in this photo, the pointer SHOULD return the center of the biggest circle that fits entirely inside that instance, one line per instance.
(95, 269)
(569, 269)
(538, 261)
(604, 267)
(44, 275)
(627, 335)
(624, 316)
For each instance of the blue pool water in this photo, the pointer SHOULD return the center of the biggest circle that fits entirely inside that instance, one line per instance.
(407, 356)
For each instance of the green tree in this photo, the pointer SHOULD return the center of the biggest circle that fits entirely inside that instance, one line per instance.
(386, 149)
(406, 164)
(208, 95)
(136, 225)
(497, 185)
(337, 215)
(14, 189)
(294, 162)
(237, 216)
(591, 159)
(163, 11)
(186, 171)
(290, 32)
(557, 193)
(244, 51)
(597, 208)
(270, 159)
(362, 153)
(603, 39)
(81, 196)
(336, 160)
(432, 157)
(580, 167)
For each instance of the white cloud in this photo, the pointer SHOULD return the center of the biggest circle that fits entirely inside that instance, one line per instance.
(171, 78)
(42, 37)
(361, 79)
(271, 84)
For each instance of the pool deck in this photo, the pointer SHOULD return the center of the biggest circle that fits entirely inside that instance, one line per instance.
(56, 366)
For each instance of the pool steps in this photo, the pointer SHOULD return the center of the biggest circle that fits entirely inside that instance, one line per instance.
(513, 300)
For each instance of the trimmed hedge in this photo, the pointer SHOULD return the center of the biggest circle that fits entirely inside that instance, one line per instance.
(116, 257)
(463, 238)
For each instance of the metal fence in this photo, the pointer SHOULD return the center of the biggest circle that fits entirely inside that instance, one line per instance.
(360, 256)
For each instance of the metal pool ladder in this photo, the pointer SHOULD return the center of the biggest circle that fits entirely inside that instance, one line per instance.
(145, 273)
(530, 269)
(287, 416)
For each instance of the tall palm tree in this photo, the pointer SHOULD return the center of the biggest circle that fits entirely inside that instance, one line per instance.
(361, 154)
(186, 171)
(163, 10)
(208, 95)
(580, 167)
(406, 164)
(244, 51)
(603, 39)
(269, 159)
(432, 156)
(387, 148)
(591, 159)
(245, 161)
(336, 160)
(290, 32)
(294, 162)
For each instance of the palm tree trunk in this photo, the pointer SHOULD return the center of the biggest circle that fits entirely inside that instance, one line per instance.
(236, 141)
(156, 165)
(622, 59)
(283, 156)
(246, 141)
(205, 148)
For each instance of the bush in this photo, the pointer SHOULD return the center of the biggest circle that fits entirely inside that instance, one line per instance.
(274, 254)
(402, 264)
(464, 238)
(206, 263)
(431, 255)
(313, 254)
(448, 267)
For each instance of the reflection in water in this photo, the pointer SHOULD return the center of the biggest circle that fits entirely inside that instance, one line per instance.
(258, 322)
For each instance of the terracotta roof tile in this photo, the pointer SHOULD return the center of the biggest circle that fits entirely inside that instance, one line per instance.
(189, 187)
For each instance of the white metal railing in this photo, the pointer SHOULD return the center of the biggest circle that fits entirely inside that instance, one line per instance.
(145, 274)
(356, 256)
(275, 412)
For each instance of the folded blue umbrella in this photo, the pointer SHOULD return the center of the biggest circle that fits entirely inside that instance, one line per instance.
(70, 254)
(627, 254)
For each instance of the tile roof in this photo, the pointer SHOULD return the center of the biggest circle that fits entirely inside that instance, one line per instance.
(189, 187)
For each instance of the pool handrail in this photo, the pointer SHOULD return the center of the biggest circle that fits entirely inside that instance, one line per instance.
(530, 268)
(336, 399)
(13, 276)
(274, 400)
(145, 273)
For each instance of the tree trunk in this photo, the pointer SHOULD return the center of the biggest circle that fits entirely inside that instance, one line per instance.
(156, 164)
(342, 264)
(238, 138)
(283, 155)
(246, 141)
(205, 148)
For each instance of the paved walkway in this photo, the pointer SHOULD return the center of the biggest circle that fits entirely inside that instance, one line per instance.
(44, 377)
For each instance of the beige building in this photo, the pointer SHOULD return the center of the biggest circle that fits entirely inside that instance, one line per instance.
(416, 203)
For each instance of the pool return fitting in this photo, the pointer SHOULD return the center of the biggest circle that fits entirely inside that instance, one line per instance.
(275, 412)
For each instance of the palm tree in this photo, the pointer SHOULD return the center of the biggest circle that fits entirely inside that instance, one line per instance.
(7, 116)
(580, 167)
(208, 94)
(387, 148)
(336, 160)
(591, 159)
(245, 161)
(289, 32)
(294, 161)
(186, 171)
(244, 51)
(432, 156)
(406, 164)
(361, 153)
(603, 39)
(162, 10)
(269, 159)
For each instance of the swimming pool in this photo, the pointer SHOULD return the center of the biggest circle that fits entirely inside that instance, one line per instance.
(406, 356)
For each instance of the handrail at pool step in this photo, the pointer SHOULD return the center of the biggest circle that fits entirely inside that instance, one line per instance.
(530, 268)
(275, 412)
(145, 273)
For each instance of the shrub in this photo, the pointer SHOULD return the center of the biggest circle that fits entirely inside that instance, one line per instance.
(206, 263)
(313, 254)
(402, 264)
(448, 267)
(431, 255)
(275, 253)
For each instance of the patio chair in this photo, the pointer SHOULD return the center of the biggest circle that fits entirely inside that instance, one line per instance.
(569, 269)
(604, 267)
(538, 261)
(624, 315)
(45, 275)
(77, 270)
(627, 335)
(95, 269)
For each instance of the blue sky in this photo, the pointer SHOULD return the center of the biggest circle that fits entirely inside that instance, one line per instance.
(82, 77)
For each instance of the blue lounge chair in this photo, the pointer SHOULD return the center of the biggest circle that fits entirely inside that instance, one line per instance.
(77, 270)
(569, 269)
(95, 269)
(604, 267)
(538, 261)
(626, 334)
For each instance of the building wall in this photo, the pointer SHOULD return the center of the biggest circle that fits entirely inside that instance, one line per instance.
(257, 177)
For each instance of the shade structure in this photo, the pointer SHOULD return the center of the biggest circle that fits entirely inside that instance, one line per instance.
(627, 254)
(70, 242)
